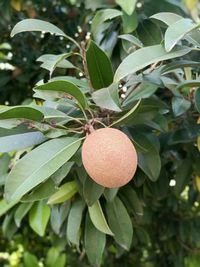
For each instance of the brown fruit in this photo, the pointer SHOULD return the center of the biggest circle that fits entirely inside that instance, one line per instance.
(109, 157)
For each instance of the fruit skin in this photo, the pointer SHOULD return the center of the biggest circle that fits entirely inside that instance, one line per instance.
(109, 157)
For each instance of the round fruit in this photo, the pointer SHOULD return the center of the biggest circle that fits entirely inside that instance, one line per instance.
(109, 157)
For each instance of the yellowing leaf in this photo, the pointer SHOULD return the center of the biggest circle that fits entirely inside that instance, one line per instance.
(197, 179)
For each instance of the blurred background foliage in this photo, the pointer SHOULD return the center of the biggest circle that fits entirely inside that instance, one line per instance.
(172, 222)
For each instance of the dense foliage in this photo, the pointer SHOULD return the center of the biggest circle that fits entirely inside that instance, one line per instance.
(123, 64)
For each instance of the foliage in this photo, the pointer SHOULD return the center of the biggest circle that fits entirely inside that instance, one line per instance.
(137, 71)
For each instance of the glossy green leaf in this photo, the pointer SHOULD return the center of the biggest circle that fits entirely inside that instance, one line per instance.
(98, 218)
(67, 88)
(129, 22)
(182, 177)
(120, 223)
(127, 116)
(167, 17)
(5, 207)
(4, 163)
(188, 83)
(21, 212)
(94, 242)
(74, 222)
(110, 193)
(107, 98)
(50, 62)
(180, 105)
(179, 64)
(55, 258)
(65, 192)
(20, 112)
(132, 39)
(146, 56)
(99, 66)
(61, 173)
(38, 217)
(43, 191)
(30, 260)
(197, 99)
(36, 25)
(20, 141)
(128, 6)
(103, 15)
(36, 166)
(149, 33)
(177, 31)
(91, 191)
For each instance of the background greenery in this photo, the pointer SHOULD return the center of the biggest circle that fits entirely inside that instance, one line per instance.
(167, 234)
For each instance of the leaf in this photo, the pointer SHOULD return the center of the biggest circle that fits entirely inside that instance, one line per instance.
(197, 99)
(99, 66)
(145, 56)
(50, 62)
(98, 218)
(182, 177)
(21, 212)
(177, 31)
(110, 193)
(36, 166)
(91, 191)
(127, 115)
(20, 112)
(179, 64)
(149, 33)
(55, 258)
(128, 6)
(65, 87)
(20, 141)
(120, 223)
(130, 22)
(180, 105)
(132, 39)
(101, 16)
(43, 191)
(132, 200)
(167, 17)
(145, 90)
(190, 83)
(61, 173)
(94, 242)
(5, 207)
(38, 217)
(36, 25)
(148, 159)
(30, 260)
(107, 98)
(65, 192)
(74, 222)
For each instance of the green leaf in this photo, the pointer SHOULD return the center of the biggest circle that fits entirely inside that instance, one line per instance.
(36, 166)
(180, 105)
(21, 212)
(99, 66)
(127, 115)
(43, 191)
(167, 17)
(179, 64)
(65, 192)
(5, 207)
(149, 33)
(130, 22)
(74, 222)
(94, 242)
(28, 25)
(132, 200)
(67, 88)
(20, 112)
(188, 83)
(183, 175)
(120, 223)
(132, 39)
(148, 159)
(55, 258)
(50, 62)
(197, 99)
(38, 217)
(110, 193)
(91, 191)
(107, 98)
(177, 31)
(146, 56)
(58, 215)
(128, 6)
(4, 163)
(61, 173)
(98, 218)
(101, 16)
(20, 141)
(30, 260)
